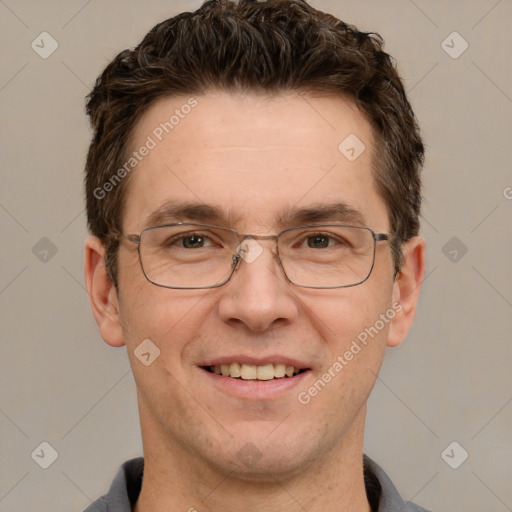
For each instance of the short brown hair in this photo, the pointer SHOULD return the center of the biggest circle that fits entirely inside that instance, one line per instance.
(269, 47)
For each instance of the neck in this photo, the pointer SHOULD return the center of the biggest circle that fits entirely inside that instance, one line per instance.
(177, 479)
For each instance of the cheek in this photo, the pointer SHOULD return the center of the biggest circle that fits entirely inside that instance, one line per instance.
(340, 316)
(170, 321)
(169, 318)
(354, 328)
(355, 339)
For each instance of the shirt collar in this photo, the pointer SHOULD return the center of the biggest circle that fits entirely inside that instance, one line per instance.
(126, 487)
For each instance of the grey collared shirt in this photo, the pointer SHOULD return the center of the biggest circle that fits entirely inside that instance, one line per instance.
(125, 490)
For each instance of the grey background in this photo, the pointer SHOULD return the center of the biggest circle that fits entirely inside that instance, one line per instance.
(451, 379)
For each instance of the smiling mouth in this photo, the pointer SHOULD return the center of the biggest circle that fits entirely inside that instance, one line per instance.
(254, 372)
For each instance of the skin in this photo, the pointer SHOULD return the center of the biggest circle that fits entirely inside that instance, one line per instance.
(254, 157)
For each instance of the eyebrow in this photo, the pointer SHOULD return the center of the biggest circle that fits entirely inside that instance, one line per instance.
(332, 212)
(174, 211)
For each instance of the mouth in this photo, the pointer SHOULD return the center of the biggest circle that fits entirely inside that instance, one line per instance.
(254, 372)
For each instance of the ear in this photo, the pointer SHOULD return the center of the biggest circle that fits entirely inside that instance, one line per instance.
(406, 289)
(102, 293)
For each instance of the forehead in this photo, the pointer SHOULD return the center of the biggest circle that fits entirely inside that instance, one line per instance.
(252, 157)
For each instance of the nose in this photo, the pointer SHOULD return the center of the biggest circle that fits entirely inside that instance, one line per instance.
(258, 294)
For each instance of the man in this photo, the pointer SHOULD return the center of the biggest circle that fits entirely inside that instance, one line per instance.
(253, 356)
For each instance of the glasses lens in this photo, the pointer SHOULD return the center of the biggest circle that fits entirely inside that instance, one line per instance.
(187, 255)
(327, 256)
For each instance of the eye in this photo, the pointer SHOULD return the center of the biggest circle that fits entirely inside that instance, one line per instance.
(335, 238)
(323, 241)
(193, 241)
(319, 241)
(190, 241)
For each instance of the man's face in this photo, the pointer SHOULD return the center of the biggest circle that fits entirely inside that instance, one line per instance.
(254, 158)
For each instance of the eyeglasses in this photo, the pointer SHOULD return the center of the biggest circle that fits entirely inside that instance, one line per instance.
(195, 256)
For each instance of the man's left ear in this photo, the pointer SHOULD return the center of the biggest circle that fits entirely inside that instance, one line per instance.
(406, 289)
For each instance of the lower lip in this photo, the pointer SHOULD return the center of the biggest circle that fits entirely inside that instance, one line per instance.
(255, 389)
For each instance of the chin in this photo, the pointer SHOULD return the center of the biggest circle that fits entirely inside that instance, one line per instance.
(265, 467)
(265, 456)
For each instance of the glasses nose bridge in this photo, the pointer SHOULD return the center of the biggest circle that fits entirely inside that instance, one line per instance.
(243, 237)
(244, 251)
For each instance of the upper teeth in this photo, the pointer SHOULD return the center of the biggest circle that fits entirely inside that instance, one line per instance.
(253, 372)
